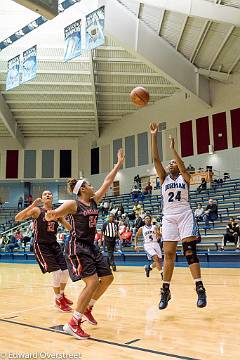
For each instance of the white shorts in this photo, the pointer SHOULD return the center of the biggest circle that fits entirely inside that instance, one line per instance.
(179, 226)
(151, 249)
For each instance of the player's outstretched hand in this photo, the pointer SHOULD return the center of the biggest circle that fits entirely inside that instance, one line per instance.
(153, 128)
(172, 142)
(121, 156)
(36, 202)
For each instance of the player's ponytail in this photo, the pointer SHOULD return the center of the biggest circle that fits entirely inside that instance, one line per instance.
(71, 184)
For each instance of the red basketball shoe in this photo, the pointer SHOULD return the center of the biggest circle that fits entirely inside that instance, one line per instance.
(89, 317)
(62, 305)
(67, 301)
(74, 328)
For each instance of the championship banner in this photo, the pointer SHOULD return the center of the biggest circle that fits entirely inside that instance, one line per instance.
(95, 28)
(13, 74)
(29, 65)
(72, 35)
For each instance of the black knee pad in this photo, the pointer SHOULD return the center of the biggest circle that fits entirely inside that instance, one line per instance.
(191, 246)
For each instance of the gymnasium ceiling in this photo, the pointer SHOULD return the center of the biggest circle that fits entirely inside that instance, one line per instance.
(92, 91)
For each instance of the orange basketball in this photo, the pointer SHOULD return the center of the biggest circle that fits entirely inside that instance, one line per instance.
(139, 96)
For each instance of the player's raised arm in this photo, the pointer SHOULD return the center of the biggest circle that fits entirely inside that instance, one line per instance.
(68, 207)
(31, 211)
(156, 159)
(185, 174)
(110, 177)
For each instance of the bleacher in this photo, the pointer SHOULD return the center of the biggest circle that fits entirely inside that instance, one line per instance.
(226, 194)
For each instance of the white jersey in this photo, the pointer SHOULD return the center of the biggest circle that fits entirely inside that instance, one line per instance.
(149, 234)
(175, 195)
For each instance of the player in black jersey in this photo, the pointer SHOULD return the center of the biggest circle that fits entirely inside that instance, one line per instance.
(46, 248)
(83, 258)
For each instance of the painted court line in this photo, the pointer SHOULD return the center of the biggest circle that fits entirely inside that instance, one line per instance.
(176, 356)
(132, 341)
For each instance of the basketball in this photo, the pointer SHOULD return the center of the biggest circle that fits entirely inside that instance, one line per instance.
(139, 96)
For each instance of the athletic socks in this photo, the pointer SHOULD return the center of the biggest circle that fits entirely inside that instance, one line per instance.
(58, 296)
(77, 315)
(198, 280)
(92, 302)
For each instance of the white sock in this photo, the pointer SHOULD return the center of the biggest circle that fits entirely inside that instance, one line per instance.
(92, 302)
(77, 315)
(58, 296)
(61, 292)
(197, 280)
(166, 282)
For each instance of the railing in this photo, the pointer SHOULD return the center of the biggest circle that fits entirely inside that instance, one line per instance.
(16, 227)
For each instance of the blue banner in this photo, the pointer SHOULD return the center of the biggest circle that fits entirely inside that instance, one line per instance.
(29, 64)
(95, 28)
(13, 74)
(73, 41)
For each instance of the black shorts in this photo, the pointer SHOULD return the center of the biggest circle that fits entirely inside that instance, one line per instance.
(49, 257)
(86, 260)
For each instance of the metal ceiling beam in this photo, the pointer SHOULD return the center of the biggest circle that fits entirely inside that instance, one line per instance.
(63, 117)
(216, 75)
(181, 32)
(48, 102)
(57, 83)
(143, 42)
(9, 122)
(200, 40)
(94, 92)
(234, 64)
(56, 71)
(36, 92)
(147, 86)
(229, 33)
(199, 8)
(53, 110)
(117, 60)
(161, 22)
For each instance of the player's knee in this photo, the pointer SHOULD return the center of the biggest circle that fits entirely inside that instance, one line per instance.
(169, 255)
(190, 252)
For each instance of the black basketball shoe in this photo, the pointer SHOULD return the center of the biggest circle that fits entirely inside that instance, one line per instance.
(202, 297)
(147, 270)
(165, 297)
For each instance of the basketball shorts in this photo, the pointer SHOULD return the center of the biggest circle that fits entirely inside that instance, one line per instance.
(179, 226)
(86, 261)
(151, 249)
(49, 256)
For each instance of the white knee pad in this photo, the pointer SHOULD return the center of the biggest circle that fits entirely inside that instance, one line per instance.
(64, 276)
(56, 278)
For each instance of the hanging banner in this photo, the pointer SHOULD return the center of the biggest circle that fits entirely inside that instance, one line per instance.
(29, 65)
(13, 74)
(95, 28)
(72, 35)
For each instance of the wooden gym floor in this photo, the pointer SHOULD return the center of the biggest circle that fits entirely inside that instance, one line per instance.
(130, 326)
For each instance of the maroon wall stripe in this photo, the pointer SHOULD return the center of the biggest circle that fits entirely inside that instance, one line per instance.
(235, 121)
(203, 138)
(186, 138)
(220, 131)
(12, 164)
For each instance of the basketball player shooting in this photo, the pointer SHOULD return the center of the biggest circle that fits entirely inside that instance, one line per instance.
(178, 221)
